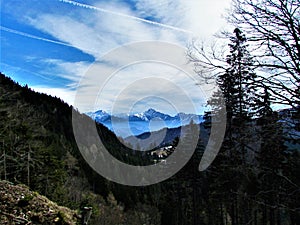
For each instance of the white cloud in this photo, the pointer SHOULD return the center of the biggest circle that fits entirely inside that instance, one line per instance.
(69, 30)
(121, 90)
(111, 9)
(72, 71)
(202, 17)
(96, 33)
(205, 17)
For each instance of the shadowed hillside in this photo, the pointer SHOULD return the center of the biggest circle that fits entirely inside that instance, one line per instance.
(38, 149)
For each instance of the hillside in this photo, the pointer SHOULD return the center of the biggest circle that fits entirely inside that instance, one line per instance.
(38, 149)
(37, 143)
(147, 139)
(19, 205)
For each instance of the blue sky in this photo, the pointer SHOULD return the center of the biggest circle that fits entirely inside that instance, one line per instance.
(51, 45)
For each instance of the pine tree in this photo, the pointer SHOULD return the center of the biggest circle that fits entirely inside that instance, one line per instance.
(236, 83)
(230, 172)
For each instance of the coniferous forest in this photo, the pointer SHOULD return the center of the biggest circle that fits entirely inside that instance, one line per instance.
(254, 179)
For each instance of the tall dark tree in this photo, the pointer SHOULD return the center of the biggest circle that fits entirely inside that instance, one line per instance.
(230, 175)
(273, 28)
(237, 82)
(237, 86)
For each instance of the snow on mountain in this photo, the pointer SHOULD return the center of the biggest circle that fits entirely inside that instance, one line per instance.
(141, 116)
(99, 116)
(151, 114)
(148, 115)
(139, 122)
(186, 118)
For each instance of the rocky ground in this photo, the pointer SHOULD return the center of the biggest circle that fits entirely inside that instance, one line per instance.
(19, 205)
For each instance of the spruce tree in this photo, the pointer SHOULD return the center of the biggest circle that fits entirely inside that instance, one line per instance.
(237, 83)
(238, 87)
(230, 172)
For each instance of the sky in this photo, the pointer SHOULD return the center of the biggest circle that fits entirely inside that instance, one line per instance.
(97, 54)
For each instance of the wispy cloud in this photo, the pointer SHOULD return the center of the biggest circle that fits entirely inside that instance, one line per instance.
(33, 36)
(123, 90)
(72, 71)
(73, 32)
(202, 18)
(18, 70)
(103, 10)
(98, 29)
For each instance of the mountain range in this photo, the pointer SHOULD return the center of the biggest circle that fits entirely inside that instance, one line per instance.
(125, 125)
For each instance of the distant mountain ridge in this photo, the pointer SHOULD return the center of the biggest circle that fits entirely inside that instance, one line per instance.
(147, 139)
(139, 123)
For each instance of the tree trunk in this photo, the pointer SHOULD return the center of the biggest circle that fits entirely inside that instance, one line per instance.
(233, 214)
(4, 162)
(264, 219)
(221, 214)
(255, 217)
(28, 168)
(278, 217)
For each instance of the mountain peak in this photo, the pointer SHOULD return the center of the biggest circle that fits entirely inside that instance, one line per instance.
(101, 111)
(151, 110)
(140, 122)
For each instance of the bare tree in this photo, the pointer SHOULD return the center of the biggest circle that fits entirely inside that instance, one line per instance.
(272, 28)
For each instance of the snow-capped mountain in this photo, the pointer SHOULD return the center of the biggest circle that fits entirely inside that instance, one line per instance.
(103, 117)
(186, 118)
(99, 116)
(151, 114)
(138, 123)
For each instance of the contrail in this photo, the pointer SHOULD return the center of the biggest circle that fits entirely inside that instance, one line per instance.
(126, 16)
(16, 69)
(33, 36)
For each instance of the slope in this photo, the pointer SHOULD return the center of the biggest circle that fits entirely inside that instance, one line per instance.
(22, 206)
(37, 148)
